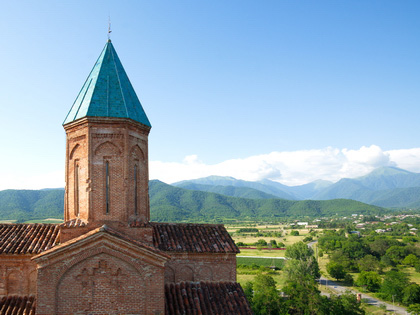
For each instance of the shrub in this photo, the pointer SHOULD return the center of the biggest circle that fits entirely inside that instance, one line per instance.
(248, 230)
(308, 239)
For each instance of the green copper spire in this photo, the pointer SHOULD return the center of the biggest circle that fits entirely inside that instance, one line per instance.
(107, 92)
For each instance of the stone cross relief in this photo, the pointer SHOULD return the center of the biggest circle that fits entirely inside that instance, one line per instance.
(101, 281)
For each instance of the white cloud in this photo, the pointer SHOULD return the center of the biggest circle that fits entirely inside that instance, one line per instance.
(292, 167)
(14, 180)
(408, 159)
(289, 167)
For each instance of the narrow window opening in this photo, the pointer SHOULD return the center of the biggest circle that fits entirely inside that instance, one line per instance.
(135, 189)
(76, 188)
(107, 186)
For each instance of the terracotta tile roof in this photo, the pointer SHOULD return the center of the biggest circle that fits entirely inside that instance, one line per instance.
(212, 298)
(27, 238)
(95, 233)
(197, 238)
(74, 223)
(17, 305)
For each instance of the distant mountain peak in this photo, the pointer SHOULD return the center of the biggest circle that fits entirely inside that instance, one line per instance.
(387, 171)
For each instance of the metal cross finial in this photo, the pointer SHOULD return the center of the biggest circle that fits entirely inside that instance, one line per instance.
(109, 28)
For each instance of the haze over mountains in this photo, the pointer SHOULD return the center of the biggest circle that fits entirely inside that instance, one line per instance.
(385, 187)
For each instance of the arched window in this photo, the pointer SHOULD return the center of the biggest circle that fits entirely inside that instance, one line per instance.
(135, 189)
(107, 186)
(76, 188)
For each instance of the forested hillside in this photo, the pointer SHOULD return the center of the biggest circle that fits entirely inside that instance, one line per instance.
(169, 203)
(174, 204)
(23, 205)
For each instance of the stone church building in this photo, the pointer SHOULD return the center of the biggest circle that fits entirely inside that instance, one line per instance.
(107, 257)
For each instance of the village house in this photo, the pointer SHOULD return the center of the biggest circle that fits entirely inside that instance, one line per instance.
(108, 257)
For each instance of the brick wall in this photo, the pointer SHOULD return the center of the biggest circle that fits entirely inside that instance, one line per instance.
(200, 267)
(17, 275)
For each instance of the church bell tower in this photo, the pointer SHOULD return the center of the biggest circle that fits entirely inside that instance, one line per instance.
(107, 148)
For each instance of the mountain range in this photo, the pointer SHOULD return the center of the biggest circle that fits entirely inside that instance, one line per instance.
(173, 204)
(216, 198)
(385, 187)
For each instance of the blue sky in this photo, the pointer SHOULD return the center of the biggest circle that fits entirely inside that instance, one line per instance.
(287, 90)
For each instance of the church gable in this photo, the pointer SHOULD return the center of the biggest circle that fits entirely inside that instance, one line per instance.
(101, 272)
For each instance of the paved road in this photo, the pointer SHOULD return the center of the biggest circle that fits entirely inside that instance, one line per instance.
(339, 289)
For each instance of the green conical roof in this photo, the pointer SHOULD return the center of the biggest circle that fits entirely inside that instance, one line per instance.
(107, 92)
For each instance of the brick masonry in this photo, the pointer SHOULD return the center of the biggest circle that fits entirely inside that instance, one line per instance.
(100, 274)
(94, 143)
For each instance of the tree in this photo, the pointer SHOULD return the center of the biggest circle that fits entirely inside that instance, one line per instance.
(387, 262)
(411, 294)
(393, 285)
(345, 304)
(263, 296)
(339, 257)
(249, 290)
(302, 261)
(261, 243)
(354, 249)
(336, 270)
(299, 251)
(303, 296)
(301, 270)
(396, 253)
(307, 239)
(368, 263)
(410, 260)
(414, 309)
(296, 269)
(348, 279)
(370, 280)
(379, 246)
(294, 233)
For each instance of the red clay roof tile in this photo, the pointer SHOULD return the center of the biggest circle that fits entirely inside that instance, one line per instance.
(197, 238)
(27, 238)
(17, 305)
(215, 298)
